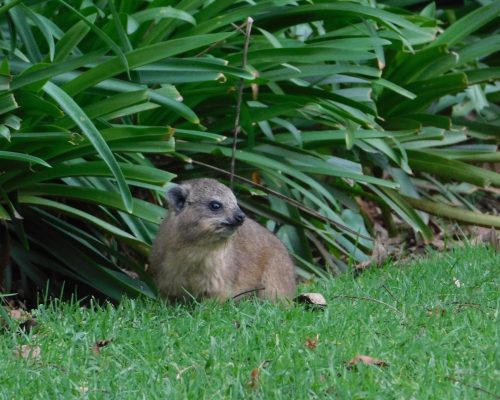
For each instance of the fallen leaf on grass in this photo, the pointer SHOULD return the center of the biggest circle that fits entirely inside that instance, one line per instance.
(254, 378)
(436, 311)
(312, 343)
(438, 243)
(312, 299)
(254, 375)
(28, 351)
(26, 322)
(100, 344)
(367, 360)
(17, 314)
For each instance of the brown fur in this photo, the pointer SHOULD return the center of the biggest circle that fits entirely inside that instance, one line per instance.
(198, 253)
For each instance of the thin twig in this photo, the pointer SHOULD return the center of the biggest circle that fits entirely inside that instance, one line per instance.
(390, 293)
(239, 100)
(368, 299)
(239, 28)
(248, 291)
(220, 42)
(289, 200)
(452, 378)
(212, 46)
(473, 305)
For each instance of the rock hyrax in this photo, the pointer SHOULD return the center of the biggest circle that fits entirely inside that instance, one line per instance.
(206, 247)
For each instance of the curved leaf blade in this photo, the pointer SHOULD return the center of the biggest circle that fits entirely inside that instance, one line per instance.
(11, 155)
(88, 128)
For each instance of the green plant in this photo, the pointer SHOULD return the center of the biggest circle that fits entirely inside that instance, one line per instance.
(340, 100)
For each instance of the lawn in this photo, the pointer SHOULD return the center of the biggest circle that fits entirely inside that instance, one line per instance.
(434, 322)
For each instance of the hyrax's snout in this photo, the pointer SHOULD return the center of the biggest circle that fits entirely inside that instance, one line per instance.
(236, 219)
(239, 218)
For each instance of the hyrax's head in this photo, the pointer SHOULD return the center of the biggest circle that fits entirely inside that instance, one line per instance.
(204, 209)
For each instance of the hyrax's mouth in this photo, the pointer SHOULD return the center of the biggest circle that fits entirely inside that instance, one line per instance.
(227, 228)
(232, 223)
(224, 232)
(229, 225)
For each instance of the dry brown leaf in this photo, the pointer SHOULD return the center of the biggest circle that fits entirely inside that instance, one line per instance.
(436, 312)
(28, 351)
(486, 235)
(380, 253)
(26, 322)
(256, 177)
(367, 360)
(16, 314)
(378, 256)
(312, 343)
(312, 299)
(369, 210)
(100, 344)
(438, 243)
(19, 314)
(254, 378)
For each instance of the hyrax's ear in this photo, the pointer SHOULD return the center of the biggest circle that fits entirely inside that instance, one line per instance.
(177, 198)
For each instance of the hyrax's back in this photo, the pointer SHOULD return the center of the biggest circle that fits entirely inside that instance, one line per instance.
(207, 248)
(262, 261)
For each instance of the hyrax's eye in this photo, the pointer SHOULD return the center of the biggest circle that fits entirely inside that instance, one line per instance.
(215, 205)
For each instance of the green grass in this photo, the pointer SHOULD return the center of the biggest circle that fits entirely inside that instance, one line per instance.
(209, 350)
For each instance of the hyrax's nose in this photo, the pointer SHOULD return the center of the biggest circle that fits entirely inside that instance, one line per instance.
(239, 217)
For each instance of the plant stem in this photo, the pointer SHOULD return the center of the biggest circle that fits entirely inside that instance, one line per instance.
(239, 100)
(455, 213)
